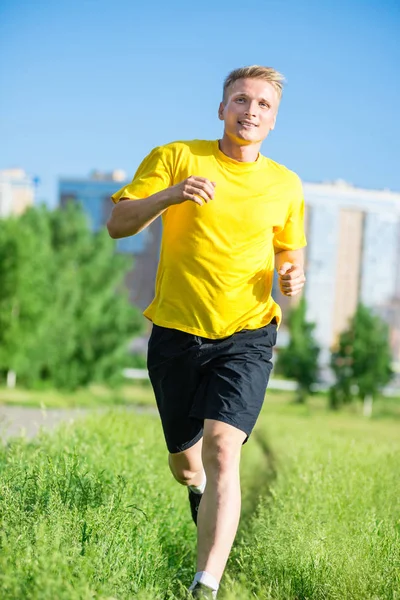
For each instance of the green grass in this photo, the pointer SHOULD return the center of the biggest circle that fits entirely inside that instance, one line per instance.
(329, 523)
(95, 396)
(140, 394)
(91, 512)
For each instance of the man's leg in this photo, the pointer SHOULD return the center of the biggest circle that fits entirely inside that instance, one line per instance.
(187, 466)
(219, 510)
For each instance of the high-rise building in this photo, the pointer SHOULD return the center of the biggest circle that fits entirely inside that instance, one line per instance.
(94, 194)
(352, 256)
(353, 252)
(17, 192)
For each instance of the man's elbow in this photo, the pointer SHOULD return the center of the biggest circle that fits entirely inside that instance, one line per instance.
(115, 225)
(118, 229)
(112, 229)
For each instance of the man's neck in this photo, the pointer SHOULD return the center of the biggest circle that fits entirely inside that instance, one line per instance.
(245, 153)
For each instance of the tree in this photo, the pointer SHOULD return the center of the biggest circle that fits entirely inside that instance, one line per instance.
(105, 319)
(299, 360)
(65, 317)
(25, 291)
(362, 361)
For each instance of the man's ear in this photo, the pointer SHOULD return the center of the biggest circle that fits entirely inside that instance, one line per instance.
(221, 111)
(273, 123)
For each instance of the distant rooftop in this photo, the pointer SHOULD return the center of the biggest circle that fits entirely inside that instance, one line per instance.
(95, 175)
(340, 187)
(116, 175)
(15, 174)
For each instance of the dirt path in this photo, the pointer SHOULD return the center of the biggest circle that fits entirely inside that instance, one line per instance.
(17, 420)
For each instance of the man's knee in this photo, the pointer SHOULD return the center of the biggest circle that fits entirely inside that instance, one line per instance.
(182, 474)
(222, 444)
(187, 466)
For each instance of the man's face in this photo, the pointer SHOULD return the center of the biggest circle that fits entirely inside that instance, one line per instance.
(249, 110)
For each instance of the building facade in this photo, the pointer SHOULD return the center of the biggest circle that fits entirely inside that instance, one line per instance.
(94, 194)
(17, 192)
(352, 256)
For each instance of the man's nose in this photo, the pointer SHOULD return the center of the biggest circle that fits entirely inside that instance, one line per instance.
(251, 109)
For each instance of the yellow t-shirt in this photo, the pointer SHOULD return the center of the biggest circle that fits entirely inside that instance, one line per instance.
(217, 260)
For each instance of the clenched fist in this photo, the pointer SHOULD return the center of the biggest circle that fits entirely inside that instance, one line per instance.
(291, 279)
(196, 189)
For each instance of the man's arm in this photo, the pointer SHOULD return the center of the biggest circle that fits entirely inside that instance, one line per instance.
(290, 267)
(132, 216)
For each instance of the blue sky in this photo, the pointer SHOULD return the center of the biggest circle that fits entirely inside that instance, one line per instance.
(95, 85)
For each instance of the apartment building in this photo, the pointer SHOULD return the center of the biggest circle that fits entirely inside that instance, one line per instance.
(94, 194)
(352, 256)
(17, 191)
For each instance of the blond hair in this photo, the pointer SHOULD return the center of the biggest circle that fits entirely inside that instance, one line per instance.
(269, 74)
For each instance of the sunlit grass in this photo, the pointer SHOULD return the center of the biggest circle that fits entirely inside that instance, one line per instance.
(95, 396)
(92, 512)
(140, 394)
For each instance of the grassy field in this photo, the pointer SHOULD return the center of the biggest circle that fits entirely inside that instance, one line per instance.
(140, 394)
(95, 396)
(91, 512)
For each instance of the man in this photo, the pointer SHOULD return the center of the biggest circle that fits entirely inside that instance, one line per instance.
(230, 215)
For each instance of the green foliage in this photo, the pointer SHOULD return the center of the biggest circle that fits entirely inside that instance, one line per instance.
(93, 512)
(89, 513)
(362, 361)
(65, 318)
(325, 530)
(299, 360)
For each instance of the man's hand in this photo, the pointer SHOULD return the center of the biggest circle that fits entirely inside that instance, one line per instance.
(291, 278)
(196, 189)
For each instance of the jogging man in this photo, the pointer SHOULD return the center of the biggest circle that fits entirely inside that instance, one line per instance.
(230, 216)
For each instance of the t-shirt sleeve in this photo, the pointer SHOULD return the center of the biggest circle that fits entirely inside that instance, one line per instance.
(292, 236)
(153, 175)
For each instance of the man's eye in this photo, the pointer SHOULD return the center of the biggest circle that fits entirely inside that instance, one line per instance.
(239, 99)
(264, 104)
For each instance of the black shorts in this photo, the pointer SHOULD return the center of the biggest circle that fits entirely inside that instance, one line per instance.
(196, 378)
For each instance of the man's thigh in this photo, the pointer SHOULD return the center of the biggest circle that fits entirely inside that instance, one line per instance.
(237, 379)
(175, 381)
(196, 378)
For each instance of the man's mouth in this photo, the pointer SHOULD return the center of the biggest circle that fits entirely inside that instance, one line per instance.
(248, 124)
